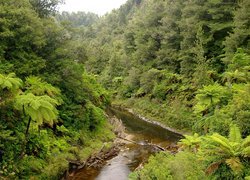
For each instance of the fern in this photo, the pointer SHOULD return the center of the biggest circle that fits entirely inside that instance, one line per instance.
(236, 77)
(209, 97)
(10, 82)
(235, 164)
(234, 134)
(231, 150)
(36, 86)
(246, 151)
(40, 108)
(246, 142)
(190, 142)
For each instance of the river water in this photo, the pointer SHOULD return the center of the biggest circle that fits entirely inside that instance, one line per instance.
(131, 155)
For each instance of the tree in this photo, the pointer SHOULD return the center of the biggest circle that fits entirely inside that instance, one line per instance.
(238, 68)
(40, 109)
(38, 87)
(209, 97)
(234, 77)
(9, 85)
(45, 7)
(232, 151)
(240, 36)
(22, 37)
(240, 60)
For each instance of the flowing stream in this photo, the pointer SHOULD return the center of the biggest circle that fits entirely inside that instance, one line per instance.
(131, 155)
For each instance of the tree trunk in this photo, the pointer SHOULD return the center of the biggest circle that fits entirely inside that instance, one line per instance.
(27, 130)
(26, 139)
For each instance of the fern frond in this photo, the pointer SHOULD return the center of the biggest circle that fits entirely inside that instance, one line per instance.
(235, 164)
(246, 151)
(235, 134)
(213, 167)
(223, 143)
(10, 82)
(40, 108)
(246, 142)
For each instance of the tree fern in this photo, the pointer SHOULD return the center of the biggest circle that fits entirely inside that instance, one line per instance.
(235, 77)
(218, 149)
(40, 108)
(10, 81)
(209, 97)
(190, 142)
(36, 86)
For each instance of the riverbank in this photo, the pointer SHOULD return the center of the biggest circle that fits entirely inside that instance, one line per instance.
(134, 144)
(158, 114)
(98, 158)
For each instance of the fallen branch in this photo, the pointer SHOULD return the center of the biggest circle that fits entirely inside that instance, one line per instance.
(146, 144)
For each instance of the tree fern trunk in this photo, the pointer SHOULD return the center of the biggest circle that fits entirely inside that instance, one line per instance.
(27, 130)
(26, 138)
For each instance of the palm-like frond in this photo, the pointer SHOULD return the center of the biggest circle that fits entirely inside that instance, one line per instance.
(222, 143)
(235, 76)
(10, 82)
(36, 86)
(209, 96)
(246, 142)
(190, 142)
(213, 167)
(219, 149)
(234, 134)
(40, 108)
(246, 151)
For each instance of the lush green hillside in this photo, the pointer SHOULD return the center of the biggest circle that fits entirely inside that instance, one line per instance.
(174, 55)
(51, 110)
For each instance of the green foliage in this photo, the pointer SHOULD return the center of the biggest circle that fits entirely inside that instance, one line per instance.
(210, 157)
(209, 97)
(173, 115)
(232, 151)
(45, 8)
(39, 108)
(22, 37)
(183, 165)
(240, 60)
(239, 37)
(10, 82)
(59, 106)
(36, 86)
(191, 143)
(9, 87)
(152, 170)
(78, 19)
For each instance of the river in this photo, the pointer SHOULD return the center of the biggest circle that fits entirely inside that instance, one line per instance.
(131, 155)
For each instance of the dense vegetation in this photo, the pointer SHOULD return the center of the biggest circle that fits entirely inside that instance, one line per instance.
(183, 63)
(187, 62)
(187, 65)
(51, 110)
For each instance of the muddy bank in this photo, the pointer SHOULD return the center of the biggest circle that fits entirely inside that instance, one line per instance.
(94, 163)
(97, 160)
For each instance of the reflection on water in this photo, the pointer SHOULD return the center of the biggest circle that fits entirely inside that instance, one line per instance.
(131, 155)
(115, 169)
